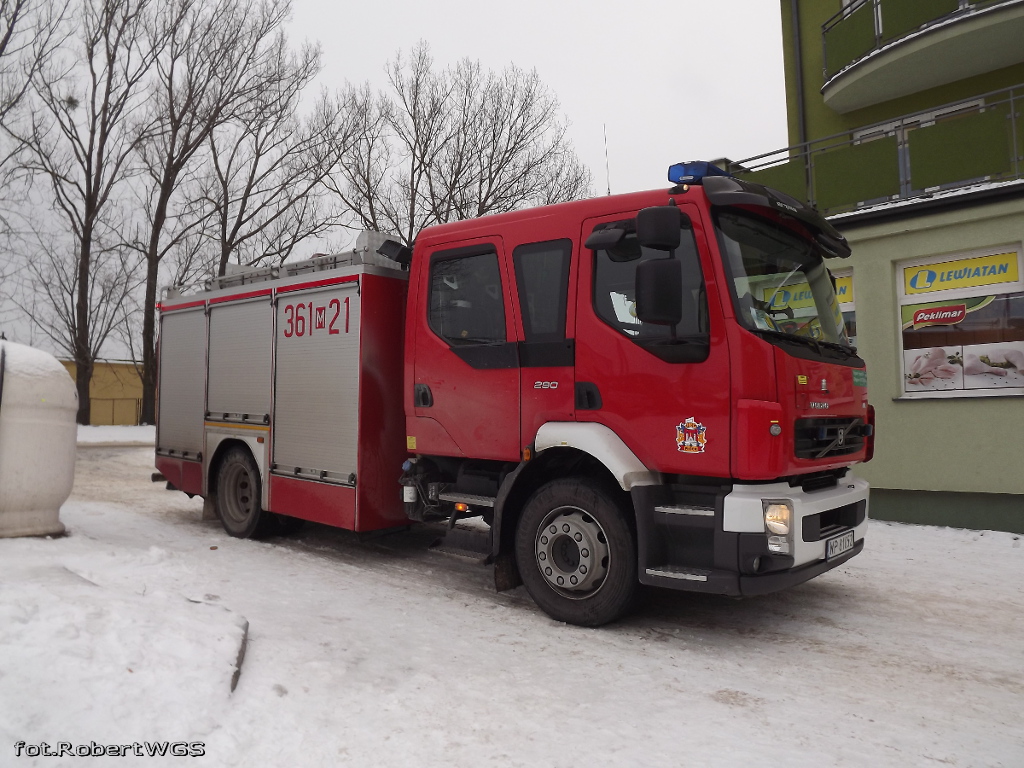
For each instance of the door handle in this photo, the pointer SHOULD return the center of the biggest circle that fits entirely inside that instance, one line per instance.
(588, 397)
(422, 396)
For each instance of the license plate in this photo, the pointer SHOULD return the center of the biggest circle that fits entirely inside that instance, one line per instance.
(838, 545)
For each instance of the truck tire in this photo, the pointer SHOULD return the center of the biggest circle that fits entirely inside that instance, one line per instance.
(576, 552)
(239, 492)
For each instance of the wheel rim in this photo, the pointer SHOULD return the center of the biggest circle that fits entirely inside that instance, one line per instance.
(238, 494)
(572, 552)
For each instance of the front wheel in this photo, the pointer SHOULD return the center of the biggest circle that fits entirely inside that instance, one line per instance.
(239, 493)
(577, 552)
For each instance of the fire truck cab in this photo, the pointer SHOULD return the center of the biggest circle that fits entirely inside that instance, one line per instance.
(653, 388)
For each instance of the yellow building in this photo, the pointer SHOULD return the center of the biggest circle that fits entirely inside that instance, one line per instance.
(115, 391)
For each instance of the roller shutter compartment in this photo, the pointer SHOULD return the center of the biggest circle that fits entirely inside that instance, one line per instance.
(317, 386)
(241, 350)
(182, 381)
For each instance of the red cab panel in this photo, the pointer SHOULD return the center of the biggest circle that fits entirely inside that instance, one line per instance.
(674, 415)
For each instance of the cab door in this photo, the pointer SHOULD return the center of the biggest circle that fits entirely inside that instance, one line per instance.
(663, 390)
(466, 367)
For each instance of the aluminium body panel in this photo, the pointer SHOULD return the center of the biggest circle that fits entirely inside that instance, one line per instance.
(182, 405)
(316, 404)
(241, 353)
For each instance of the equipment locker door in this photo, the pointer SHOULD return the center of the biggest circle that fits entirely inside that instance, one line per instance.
(466, 378)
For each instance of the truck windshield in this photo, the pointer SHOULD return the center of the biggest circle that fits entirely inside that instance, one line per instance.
(779, 282)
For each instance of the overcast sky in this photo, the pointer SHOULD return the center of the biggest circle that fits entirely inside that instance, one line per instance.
(683, 80)
(673, 81)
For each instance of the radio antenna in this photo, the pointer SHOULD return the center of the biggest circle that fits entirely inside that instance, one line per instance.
(607, 173)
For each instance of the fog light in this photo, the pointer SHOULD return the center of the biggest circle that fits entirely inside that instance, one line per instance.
(775, 429)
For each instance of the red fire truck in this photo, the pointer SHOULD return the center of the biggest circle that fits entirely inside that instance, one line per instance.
(653, 388)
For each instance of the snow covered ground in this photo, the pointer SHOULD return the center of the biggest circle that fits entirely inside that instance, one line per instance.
(116, 435)
(380, 652)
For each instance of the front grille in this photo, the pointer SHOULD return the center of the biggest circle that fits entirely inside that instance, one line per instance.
(832, 521)
(824, 438)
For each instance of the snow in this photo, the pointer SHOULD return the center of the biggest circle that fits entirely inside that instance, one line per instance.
(31, 363)
(910, 202)
(116, 435)
(378, 651)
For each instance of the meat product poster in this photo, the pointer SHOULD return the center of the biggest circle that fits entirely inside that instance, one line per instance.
(972, 345)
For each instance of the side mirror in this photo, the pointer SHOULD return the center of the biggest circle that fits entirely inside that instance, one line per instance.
(659, 227)
(659, 294)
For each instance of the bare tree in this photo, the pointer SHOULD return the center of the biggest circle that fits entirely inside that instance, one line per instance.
(265, 188)
(455, 144)
(362, 179)
(52, 298)
(29, 32)
(87, 119)
(218, 55)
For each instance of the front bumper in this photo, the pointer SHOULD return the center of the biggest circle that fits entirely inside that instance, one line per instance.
(711, 538)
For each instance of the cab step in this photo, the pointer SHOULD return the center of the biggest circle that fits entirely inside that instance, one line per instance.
(471, 543)
(470, 499)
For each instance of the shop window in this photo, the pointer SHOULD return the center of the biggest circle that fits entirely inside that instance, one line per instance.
(844, 294)
(962, 325)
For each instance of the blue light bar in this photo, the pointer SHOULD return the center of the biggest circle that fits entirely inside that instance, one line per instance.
(692, 172)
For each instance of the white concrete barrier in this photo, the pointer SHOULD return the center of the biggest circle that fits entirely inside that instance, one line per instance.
(38, 404)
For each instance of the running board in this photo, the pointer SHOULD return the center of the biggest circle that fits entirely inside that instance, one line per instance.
(679, 572)
(694, 511)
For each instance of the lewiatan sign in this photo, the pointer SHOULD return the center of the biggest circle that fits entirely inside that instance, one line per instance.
(961, 273)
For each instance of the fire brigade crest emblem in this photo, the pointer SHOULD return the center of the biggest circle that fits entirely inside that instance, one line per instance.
(691, 436)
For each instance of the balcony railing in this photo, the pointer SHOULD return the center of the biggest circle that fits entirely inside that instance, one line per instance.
(917, 155)
(865, 26)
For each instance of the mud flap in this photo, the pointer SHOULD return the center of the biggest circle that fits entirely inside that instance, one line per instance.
(506, 572)
(209, 509)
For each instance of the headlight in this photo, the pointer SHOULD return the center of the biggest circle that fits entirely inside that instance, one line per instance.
(778, 516)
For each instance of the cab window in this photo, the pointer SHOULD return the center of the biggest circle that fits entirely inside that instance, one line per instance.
(466, 305)
(615, 270)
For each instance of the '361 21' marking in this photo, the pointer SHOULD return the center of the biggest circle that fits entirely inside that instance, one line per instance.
(303, 319)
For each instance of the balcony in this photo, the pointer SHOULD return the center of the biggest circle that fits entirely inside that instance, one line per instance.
(877, 50)
(947, 150)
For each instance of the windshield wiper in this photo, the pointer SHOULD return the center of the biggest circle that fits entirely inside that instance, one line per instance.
(805, 340)
(815, 344)
(847, 348)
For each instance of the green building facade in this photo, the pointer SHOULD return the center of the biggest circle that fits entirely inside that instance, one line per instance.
(906, 127)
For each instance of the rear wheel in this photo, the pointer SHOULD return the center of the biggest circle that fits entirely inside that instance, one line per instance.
(239, 492)
(577, 552)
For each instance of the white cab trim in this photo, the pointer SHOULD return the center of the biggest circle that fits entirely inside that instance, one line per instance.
(744, 512)
(601, 443)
